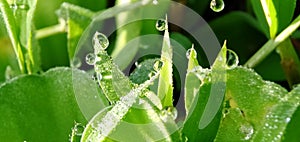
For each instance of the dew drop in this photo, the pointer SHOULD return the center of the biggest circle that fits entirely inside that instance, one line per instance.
(157, 65)
(172, 111)
(201, 73)
(217, 5)
(94, 77)
(188, 53)
(9, 73)
(287, 120)
(161, 25)
(90, 59)
(76, 63)
(247, 130)
(99, 76)
(232, 60)
(137, 65)
(100, 42)
(151, 74)
(168, 112)
(78, 129)
(155, 2)
(19, 6)
(142, 95)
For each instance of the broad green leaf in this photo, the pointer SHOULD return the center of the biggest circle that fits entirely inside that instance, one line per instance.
(260, 113)
(133, 113)
(12, 30)
(44, 107)
(274, 15)
(77, 19)
(205, 90)
(165, 83)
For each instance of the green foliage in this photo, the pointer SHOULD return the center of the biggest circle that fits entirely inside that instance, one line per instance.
(226, 102)
(12, 30)
(274, 15)
(259, 114)
(18, 21)
(44, 107)
(77, 19)
(165, 83)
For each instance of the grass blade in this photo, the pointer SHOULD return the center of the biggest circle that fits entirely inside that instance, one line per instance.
(13, 33)
(165, 84)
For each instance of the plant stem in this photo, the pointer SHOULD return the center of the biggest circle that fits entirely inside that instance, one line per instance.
(290, 62)
(266, 49)
(52, 30)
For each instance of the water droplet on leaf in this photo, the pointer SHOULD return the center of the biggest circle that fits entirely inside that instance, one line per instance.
(90, 59)
(287, 120)
(247, 130)
(137, 65)
(9, 73)
(76, 63)
(161, 25)
(100, 42)
(188, 53)
(168, 112)
(19, 6)
(217, 5)
(151, 74)
(157, 65)
(99, 76)
(78, 129)
(202, 74)
(232, 60)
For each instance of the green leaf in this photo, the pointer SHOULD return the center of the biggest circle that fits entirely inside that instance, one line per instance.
(274, 15)
(133, 113)
(165, 83)
(77, 19)
(33, 60)
(216, 96)
(204, 96)
(193, 62)
(259, 114)
(44, 107)
(192, 82)
(12, 30)
(112, 81)
(23, 15)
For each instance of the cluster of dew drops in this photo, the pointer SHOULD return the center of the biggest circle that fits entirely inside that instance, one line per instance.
(101, 42)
